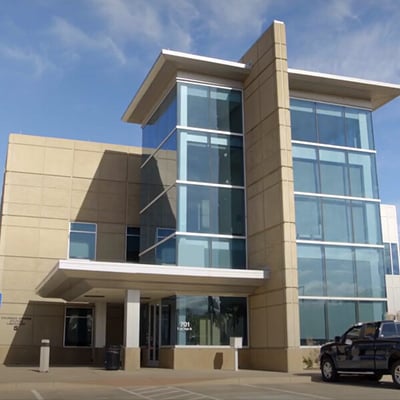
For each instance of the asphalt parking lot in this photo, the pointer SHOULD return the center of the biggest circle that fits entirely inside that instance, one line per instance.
(151, 384)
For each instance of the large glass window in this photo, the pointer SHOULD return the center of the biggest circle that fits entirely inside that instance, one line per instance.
(210, 108)
(340, 273)
(340, 172)
(305, 169)
(78, 327)
(331, 124)
(161, 123)
(211, 158)
(211, 252)
(333, 172)
(312, 322)
(166, 249)
(82, 240)
(308, 218)
(370, 272)
(336, 220)
(210, 320)
(303, 120)
(204, 209)
(310, 270)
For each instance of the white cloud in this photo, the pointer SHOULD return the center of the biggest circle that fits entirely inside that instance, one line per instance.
(76, 40)
(27, 58)
(353, 40)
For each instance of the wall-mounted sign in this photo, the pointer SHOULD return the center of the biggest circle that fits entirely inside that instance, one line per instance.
(184, 326)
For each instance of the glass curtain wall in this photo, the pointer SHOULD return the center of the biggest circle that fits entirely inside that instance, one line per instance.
(210, 186)
(339, 240)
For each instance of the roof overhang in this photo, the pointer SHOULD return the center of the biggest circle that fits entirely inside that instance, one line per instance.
(164, 71)
(82, 280)
(376, 94)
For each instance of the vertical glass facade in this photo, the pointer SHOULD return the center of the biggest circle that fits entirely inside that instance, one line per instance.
(193, 205)
(338, 228)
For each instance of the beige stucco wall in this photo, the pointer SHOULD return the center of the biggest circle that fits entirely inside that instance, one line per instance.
(48, 183)
(274, 311)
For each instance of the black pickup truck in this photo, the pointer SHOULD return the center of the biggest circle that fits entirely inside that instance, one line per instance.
(370, 348)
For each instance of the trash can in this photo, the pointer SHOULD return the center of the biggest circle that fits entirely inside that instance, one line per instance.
(113, 357)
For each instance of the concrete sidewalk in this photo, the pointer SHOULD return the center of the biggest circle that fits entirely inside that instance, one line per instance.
(24, 377)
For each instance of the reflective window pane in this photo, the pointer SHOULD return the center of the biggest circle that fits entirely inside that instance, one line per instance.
(363, 178)
(211, 210)
(366, 222)
(302, 115)
(359, 128)
(211, 158)
(308, 218)
(333, 172)
(340, 315)
(340, 279)
(310, 270)
(312, 322)
(210, 320)
(82, 241)
(210, 108)
(370, 273)
(330, 124)
(336, 217)
(305, 169)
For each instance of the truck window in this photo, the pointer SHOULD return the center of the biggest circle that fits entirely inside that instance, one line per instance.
(369, 331)
(388, 329)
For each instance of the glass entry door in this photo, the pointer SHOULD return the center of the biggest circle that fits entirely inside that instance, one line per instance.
(154, 336)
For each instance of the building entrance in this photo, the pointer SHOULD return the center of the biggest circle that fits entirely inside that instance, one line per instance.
(153, 335)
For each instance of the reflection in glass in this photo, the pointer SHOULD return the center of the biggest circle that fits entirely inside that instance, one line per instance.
(370, 273)
(310, 270)
(210, 320)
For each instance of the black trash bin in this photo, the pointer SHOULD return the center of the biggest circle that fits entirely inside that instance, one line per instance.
(113, 358)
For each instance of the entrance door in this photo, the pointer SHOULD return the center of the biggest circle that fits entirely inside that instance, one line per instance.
(154, 334)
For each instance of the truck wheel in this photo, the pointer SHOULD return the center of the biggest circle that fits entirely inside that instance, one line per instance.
(328, 370)
(396, 373)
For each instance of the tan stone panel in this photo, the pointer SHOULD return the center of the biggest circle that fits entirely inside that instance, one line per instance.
(58, 143)
(133, 208)
(86, 164)
(53, 243)
(277, 332)
(111, 247)
(21, 296)
(83, 214)
(55, 212)
(268, 97)
(252, 111)
(25, 158)
(111, 228)
(23, 194)
(53, 223)
(58, 161)
(111, 203)
(112, 187)
(112, 215)
(84, 184)
(22, 179)
(21, 241)
(27, 139)
(134, 172)
(82, 199)
(255, 214)
(113, 166)
(56, 182)
(84, 146)
(55, 197)
(19, 221)
(258, 327)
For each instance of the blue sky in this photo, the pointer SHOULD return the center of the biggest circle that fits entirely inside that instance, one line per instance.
(69, 68)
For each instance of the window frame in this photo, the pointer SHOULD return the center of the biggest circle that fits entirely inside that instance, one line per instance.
(91, 308)
(71, 230)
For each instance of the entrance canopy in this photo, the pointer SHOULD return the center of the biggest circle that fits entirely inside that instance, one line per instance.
(88, 281)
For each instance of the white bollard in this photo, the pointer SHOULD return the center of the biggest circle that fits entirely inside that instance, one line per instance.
(44, 355)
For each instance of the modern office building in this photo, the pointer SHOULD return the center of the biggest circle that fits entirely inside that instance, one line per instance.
(252, 210)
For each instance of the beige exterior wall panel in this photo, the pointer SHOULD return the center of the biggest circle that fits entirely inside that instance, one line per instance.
(53, 243)
(113, 166)
(111, 247)
(58, 161)
(26, 158)
(206, 358)
(86, 164)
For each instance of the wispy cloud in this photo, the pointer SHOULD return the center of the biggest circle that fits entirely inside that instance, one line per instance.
(350, 38)
(27, 58)
(76, 40)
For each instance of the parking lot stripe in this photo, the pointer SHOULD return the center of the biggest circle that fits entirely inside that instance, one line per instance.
(37, 395)
(313, 396)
